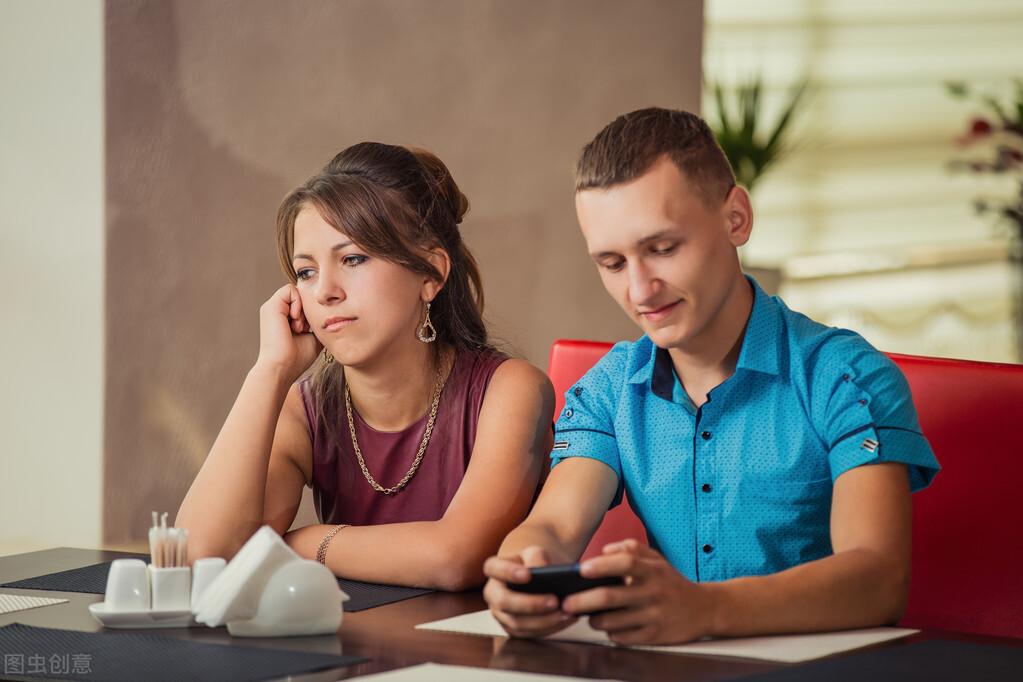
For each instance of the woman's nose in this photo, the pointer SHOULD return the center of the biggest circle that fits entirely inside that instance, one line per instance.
(329, 289)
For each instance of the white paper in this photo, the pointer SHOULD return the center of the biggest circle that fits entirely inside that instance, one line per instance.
(12, 603)
(431, 672)
(781, 648)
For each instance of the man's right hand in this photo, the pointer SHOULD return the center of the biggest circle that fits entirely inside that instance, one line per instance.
(521, 614)
(286, 340)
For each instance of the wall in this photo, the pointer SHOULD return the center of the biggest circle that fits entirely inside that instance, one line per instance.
(51, 264)
(216, 110)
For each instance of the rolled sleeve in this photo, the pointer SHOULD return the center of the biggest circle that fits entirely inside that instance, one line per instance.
(586, 425)
(870, 419)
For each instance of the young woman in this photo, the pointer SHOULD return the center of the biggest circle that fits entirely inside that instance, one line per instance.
(423, 445)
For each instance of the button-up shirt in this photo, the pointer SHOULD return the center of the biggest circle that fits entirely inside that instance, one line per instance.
(742, 485)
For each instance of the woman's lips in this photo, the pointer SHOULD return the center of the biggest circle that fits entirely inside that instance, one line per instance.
(660, 313)
(336, 324)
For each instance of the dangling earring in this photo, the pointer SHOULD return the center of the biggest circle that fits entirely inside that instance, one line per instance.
(327, 357)
(422, 333)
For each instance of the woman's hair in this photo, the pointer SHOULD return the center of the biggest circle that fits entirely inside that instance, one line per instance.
(397, 204)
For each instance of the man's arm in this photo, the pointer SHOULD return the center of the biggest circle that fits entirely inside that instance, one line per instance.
(564, 518)
(864, 583)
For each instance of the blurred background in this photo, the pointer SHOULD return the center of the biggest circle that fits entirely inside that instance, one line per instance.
(147, 144)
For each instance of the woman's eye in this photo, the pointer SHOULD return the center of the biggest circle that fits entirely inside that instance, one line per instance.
(304, 274)
(353, 260)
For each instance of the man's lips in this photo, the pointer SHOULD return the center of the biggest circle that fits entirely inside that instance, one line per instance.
(334, 324)
(659, 313)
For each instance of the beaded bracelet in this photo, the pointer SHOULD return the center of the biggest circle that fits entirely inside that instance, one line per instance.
(321, 553)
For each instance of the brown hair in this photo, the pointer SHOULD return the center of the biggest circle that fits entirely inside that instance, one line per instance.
(396, 203)
(628, 146)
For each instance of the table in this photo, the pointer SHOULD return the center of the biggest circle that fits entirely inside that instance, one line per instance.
(387, 635)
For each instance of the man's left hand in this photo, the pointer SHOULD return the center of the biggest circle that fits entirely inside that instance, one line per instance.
(656, 605)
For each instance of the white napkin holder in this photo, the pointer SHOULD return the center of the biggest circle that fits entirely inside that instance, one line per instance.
(267, 590)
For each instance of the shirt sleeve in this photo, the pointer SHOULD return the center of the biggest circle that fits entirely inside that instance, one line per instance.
(867, 416)
(586, 425)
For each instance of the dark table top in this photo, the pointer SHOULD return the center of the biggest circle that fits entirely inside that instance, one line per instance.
(387, 635)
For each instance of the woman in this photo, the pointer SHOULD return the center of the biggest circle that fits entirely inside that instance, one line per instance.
(423, 445)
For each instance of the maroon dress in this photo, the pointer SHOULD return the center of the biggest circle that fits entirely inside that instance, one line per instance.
(341, 492)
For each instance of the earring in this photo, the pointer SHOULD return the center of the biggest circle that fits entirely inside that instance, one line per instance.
(421, 333)
(327, 357)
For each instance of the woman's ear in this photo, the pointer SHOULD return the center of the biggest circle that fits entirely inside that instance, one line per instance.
(439, 259)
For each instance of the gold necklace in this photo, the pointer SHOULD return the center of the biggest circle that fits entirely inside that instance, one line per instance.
(437, 388)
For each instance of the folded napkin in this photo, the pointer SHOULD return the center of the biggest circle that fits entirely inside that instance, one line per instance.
(235, 593)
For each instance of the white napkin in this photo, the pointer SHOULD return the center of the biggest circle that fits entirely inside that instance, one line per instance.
(234, 594)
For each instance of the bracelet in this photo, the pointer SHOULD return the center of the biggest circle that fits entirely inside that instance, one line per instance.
(321, 553)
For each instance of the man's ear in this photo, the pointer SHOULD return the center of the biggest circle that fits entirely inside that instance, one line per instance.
(738, 214)
(440, 259)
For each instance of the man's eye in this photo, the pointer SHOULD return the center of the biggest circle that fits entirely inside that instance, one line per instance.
(614, 266)
(665, 250)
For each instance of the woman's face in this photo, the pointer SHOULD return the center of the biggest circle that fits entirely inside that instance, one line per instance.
(359, 306)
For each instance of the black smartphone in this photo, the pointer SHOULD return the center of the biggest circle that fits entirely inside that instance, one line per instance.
(561, 581)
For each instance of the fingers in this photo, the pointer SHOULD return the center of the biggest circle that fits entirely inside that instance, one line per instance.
(533, 626)
(602, 599)
(506, 570)
(534, 557)
(616, 564)
(514, 603)
(620, 620)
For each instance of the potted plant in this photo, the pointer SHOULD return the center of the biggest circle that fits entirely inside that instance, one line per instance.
(993, 143)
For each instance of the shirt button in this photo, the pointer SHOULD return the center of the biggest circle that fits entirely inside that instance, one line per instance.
(706, 487)
(707, 549)
(845, 377)
(568, 413)
(863, 402)
(578, 391)
(705, 435)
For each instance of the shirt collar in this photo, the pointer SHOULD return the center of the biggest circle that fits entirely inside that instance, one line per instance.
(764, 325)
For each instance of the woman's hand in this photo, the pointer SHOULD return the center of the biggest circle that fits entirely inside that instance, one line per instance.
(286, 341)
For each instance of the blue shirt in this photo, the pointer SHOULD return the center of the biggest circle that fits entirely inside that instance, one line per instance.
(743, 484)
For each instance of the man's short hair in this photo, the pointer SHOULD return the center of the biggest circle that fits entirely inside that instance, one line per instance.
(628, 146)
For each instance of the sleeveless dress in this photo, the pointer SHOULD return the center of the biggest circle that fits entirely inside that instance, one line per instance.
(343, 495)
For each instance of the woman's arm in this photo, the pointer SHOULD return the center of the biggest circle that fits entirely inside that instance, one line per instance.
(512, 441)
(252, 475)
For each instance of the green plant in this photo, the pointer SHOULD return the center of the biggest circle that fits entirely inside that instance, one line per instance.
(739, 123)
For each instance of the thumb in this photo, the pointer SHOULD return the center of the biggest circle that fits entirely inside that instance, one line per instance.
(534, 556)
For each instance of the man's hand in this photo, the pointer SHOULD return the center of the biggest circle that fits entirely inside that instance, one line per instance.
(521, 614)
(657, 604)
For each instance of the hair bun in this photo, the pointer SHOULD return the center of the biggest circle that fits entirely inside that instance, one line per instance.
(443, 184)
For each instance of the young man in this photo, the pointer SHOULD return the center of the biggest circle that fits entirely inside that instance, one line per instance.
(770, 458)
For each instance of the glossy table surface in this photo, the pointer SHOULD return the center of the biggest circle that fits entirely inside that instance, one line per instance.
(387, 636)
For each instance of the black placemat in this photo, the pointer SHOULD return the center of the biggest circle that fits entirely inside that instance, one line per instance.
(89, 579)
(934, 660)
(31, 652)
(367, 595)
(93, 580)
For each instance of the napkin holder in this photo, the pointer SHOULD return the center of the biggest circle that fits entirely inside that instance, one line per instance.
(267, 590)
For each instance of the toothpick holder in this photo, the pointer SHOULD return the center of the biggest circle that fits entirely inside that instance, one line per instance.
(170, 588)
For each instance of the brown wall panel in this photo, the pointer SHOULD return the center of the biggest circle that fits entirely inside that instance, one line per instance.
(216, 109)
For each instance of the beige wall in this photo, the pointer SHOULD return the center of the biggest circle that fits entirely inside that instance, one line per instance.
(51, 265)
(215, 110)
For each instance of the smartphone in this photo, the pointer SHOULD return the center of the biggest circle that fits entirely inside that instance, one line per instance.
(561, 581)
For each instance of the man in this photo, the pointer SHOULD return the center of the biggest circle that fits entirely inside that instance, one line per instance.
(770, 458)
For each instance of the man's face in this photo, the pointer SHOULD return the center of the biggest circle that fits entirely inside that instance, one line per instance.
(664, 255)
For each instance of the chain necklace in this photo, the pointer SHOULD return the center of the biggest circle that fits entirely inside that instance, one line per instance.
(437, 388)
